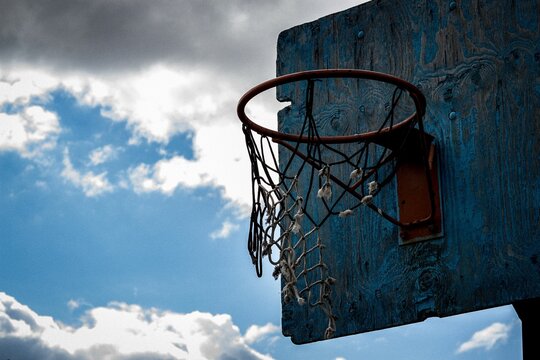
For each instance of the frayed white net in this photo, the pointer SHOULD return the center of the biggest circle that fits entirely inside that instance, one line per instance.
(294, 197)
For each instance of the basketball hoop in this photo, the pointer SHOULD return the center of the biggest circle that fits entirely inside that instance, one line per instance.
(312, 176)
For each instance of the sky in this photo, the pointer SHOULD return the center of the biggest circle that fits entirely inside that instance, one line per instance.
(124, 190)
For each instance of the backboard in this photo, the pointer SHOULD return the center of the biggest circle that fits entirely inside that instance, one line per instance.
(477, 62)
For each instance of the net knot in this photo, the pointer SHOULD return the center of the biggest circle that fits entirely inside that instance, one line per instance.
(356, 173)
(296, 227)
(373, 187)
(345, 213)
(277, 272)
(367, 199)
(324, 171)
(325, 192)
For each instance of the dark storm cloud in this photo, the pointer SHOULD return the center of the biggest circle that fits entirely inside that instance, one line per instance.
(17, 348)
(32, 348)
(105, 35)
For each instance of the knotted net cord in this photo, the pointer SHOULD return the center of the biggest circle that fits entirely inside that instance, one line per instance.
(280, 220)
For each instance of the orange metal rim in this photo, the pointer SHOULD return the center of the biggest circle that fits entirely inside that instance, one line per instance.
(415, 94)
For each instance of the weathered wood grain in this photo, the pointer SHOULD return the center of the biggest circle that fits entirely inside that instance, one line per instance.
(480, 61)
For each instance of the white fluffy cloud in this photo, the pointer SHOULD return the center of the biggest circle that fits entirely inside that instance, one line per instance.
(102, 154)
(73, 304)
(219, 161)
(122, 331)
(30, 127)
(226, 229)
(486, 338)
(255, 333)
(156, 102)
(90, 183)
(167, 175)
(18, 85)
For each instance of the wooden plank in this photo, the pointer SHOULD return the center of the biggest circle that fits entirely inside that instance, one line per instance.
(479, 67)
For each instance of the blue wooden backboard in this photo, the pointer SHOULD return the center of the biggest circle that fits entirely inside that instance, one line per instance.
(478, 64)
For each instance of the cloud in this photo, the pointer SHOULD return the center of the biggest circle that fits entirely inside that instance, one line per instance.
(486, 338)
(102, 155)
(122, 331)
(226, 229)
(100, 36)
(20, 85)
(31, 127)
(218, 162)
(167, 175)
(157, 102)
(91, 184)
(256, 333)
(74, 304)
(163, 68)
